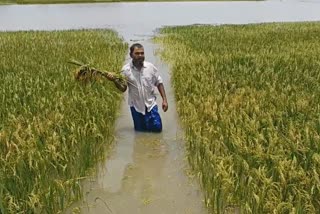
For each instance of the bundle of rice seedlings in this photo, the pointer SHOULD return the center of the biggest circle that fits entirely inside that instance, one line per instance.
(87, 73)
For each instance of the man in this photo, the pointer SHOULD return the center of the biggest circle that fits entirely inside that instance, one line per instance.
(142, 78)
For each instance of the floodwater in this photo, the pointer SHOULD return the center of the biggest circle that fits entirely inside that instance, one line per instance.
(148, 173)
(134, 19)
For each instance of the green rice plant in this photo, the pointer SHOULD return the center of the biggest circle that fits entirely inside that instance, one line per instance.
(248, 96)
(53, 129)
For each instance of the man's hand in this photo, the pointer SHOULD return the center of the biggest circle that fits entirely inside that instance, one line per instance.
(164, 97)
(121, 85)
(110, 76)
(164, 105)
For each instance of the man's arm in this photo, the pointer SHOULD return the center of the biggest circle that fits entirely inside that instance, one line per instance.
(120, 84)
(164, 97)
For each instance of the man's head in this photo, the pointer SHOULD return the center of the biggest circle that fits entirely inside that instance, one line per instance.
(137, 53)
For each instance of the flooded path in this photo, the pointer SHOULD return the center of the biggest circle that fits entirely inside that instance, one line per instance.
(146, 172)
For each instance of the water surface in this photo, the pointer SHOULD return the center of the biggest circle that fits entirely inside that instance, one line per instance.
(134, 19)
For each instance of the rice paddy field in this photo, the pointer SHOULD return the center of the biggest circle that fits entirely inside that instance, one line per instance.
(53, 129)
(248, 97)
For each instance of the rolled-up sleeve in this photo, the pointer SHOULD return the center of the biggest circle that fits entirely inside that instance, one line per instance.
(157, 77)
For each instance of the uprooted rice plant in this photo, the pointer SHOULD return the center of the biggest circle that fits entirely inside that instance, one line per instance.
(53, 129)
(249, 99)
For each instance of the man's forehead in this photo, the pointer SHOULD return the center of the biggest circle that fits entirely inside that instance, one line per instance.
(136, 49)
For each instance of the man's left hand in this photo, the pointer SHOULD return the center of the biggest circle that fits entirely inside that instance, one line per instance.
(164, 105)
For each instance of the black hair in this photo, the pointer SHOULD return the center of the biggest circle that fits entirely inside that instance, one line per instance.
(133, 46)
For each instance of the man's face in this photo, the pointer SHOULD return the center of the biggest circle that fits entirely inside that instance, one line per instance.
(138, 55)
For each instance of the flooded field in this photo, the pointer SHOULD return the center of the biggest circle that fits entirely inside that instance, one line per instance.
(148, 173)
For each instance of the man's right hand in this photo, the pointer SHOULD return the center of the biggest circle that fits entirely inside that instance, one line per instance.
(110, 76)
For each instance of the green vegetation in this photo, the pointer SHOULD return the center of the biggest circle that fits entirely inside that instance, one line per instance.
(7, 2)
(53, 129)
(248, 97)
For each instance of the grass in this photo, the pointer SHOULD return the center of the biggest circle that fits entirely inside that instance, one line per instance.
(53, 129)
(248, 97)
(7, 2)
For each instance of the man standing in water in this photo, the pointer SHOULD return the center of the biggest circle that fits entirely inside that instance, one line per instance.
(142, 78)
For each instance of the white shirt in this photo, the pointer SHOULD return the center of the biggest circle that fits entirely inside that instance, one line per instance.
(142, 85)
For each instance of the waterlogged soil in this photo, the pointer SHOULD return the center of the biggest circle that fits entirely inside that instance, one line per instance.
(146, 172)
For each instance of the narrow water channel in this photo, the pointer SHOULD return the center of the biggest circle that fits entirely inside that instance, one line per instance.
(145, 172)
